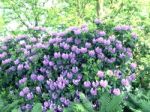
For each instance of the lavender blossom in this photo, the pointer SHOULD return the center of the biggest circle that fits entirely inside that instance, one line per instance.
(20, 67)
(125, 82)
(103, 83)
(33, 77)
(40, 78)
(29, 96)
(116, 91)
(38, 89)
(92, 53)
(95, 84)
(87, 84)
(74, 69)
(26, 90)
(133, 65)
(100, 74)
(65, 56)
(57, 55)
(21, 94)
(101, 33)
(93, 91)
(97, 21)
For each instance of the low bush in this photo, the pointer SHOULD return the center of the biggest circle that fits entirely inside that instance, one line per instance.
(54, 68)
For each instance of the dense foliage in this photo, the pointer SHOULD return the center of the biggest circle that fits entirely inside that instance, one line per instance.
(56, 68)
(39, 18)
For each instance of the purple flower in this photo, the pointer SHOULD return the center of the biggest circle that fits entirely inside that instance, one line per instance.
(2, 55)
(62, 99)
(33, 39)
(123, 28)
(28, 106)
(93, 91)
(85, 29)
(70, 39)
(88, 45)
(79, 76)
(118, 28)
(74, 69)
(69, 75)
(72, 55)
(133, 65)
(28, 46)
(87, 84)
(54, 95)
(122, 55)
(112, 38)
(100, 40)
(21, 93)
(117, 73)
(76, 82)
(92, 53)
(16, 62)
(103, 83)
(106, 42)
(50, 63)
(26, 90)
(125, 82)
(46, 104)
(20, 67)
(27, 67)
(119, 46)
(61, 84)
(6, 61)
(116, 91)
(94, 41)
(66, 102)
(101, 33)
(23, 80)
(73, 61)
(33, 77)
(100, 74)
(57, 55)
(38, 89)
(77, 41)
(97, 21)
(98, 50)
(29, 96)
(129, 52)
(74, 48)
(40, 78)
(77, 31)
(65, 56)
(45, 62)
(132, 77)
(4, 47)
(95, 84)
(52, 86)
(126, 27)
(66, 46)
(83, 50)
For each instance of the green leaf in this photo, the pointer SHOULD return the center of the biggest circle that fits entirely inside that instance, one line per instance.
(86, 103)
(37, 107)
(15, 110)
(49, 111)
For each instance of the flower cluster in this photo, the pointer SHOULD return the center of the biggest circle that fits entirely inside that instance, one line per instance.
(53, 72)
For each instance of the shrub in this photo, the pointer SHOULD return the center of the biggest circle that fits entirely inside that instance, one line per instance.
(53, 68)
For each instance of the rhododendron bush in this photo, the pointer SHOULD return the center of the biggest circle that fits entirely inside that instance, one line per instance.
(54, 68)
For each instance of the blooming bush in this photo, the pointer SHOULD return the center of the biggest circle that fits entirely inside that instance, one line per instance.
(54, 69)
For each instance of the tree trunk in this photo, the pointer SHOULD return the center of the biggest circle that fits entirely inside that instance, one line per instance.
(99, 8)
